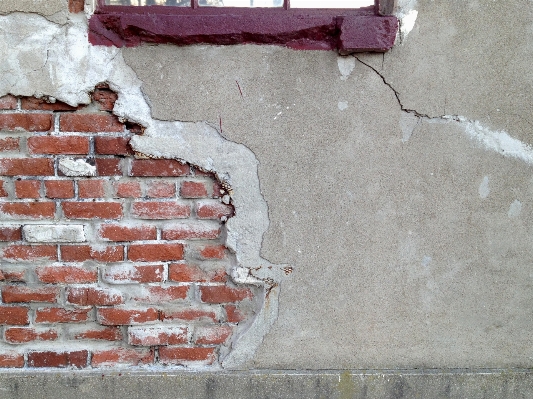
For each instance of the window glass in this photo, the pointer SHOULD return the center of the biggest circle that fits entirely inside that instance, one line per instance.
(331, 3)
(248, 3)
(175, 3)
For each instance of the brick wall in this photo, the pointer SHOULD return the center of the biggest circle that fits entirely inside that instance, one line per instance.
(108, 259)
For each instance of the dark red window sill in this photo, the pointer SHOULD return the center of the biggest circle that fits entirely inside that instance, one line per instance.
(349, 31)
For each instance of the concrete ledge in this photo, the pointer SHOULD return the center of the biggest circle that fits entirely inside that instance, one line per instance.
(426, 384)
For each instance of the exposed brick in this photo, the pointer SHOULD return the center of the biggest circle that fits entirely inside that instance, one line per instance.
(58, 145)
(134, 128)
(218, 190)
(112, 146)
(180, 355)
(40, 104)
(123, 274)
(119, 316)
(157, 294)
(66, 274)
(105, 99)
(9, 144)
(91, 188)
(224, 294)
(104, 334)
(19, 294)
(29, 210)
(94, 296)
(188, 274)
(81, 253)
(124, 233)
(92, 210)
(59, 188)
(192, 189)
(188, 315)
(76, 6)
(161, 189)
(8, 102)
(3, 191)
(76, 359)
(28, 189)
(14, 276)
(213, 209)
(14, 315)
(158, 167)
(10, 233)
(28, 122)
(107, 166)
(90, 123)
(213, 252)
(121, 356)
(160, 210)
(212, 335)
(234, 314)
(11, 359)
(157, 335)
(60, 315)
(155, 252)
(190, 231)
(26, 167)
(19, 335)
(30, 252)
(128, 189)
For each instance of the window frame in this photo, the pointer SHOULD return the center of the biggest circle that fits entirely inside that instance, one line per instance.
(370, 28)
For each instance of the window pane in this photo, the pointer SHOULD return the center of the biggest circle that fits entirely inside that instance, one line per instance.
(331, 3)
(178, 3)
(241, 3)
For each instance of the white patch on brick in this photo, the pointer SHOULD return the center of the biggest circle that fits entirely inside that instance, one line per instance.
(53, 233)
(76, 167)
(152, 335)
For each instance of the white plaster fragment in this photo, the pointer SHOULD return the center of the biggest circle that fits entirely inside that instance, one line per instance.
(342, 105)
(76, 167)
(407, 16)
(53, 233)
(484, 189)
(514, 209)
(346, 66)
(408, 123)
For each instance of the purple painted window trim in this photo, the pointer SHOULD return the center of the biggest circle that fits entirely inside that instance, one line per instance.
(348, 31)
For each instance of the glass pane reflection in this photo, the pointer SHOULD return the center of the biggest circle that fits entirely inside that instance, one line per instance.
(241, 3)
(175, 3)
(331, 3)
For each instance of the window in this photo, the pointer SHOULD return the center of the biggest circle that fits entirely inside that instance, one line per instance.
(367, 26)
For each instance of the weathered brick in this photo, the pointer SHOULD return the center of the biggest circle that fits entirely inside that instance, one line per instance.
(234, 314)
(30, 252)
(76, 6)
(155, 252)
(218, 190)
(161, 189)
(134, 128)
(10, 233)
(213, 252)
(60, 315)
(192, 189)
(180, 355)
(3, 191)
(128, 189)
(11, 359)
(191, 231)
(66, 274)
(92, 210)
(90, 123)
(160, 210)
(8, 102)
(60, 189)
(26, 167)
(94, 296)
(19, 335)
(9, 144)
(158, 167)
(107, 167)
(157, 335)
(40, 104)
(157, 294)
(126, 273)
(212, 335)
(13, 275)
(112, 146)
(76, 359)
(124, 233)
(29, 210)
(121, 316)
(100, 333)
(75, 145)
(212, 209)
(105, 99)
(81, 253)
(20, 294)
(188, 273)
(91, 188)
(53, 233)
(28, 122)
(122, 356)
(224, 294)
(28, 189)
(188, 315)
(14, 315)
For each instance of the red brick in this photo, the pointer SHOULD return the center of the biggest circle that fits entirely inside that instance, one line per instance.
(66, 274)
(40, 104)
(14, 276)
(158, 167)
(116, 316)
(3, 191)
(108, 167)
(14, 315)
(213, 210)
(189, 231)
(213, 252)
(157, 294)
(134, 128)
(128, 189)
(76, 359)
(114, 232)
(161, 189)
(212, 335)
(30, 252)
(179, 355)
(121, 356)
(29, 210)
(81, 253)
(8, 233)
(58, 145)
(188, 314)
(224, 294)
(28, 122)
(123, 274)
(19, 293)
(189, 274)
(59, 188)
(160, 210)
(112, 146)
(92, 210)
(91, 188)
(28, 189)
(8, 102)
(11, 359)
(155, 252)
(157, 335)
(105, 99)
(76, 6)
(218, 190)
(19, 335)
(89, 123)
(26, 167)
(9, 144)
(94, 296)
(60, 315)
(192, 189)
(234, 314)
(104, 334)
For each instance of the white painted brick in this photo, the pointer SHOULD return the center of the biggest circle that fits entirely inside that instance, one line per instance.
(54, 233)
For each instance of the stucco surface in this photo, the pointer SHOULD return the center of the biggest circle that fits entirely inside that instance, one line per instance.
(55, 10)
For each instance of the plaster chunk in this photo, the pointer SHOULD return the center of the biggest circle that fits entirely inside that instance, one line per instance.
(76, 167)
(54, 233)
